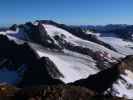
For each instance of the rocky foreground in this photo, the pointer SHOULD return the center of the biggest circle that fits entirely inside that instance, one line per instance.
(58, 92)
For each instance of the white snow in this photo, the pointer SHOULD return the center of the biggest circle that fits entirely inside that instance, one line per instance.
(2, 33)
(129, 75)
(120, 45)
(73, 67)
(89, 32)
(122, 87)
(8, 32)
(123, 91)
(53, 30)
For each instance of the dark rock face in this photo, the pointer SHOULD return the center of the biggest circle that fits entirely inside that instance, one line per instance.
(128, 62)
(35, 33)
(13, 27)
(82, 50)
(16, 54)
(39, 35)
(37, 70)
(41, 72)
(51, 67)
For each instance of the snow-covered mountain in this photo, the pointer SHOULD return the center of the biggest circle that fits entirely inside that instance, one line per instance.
(72, 54)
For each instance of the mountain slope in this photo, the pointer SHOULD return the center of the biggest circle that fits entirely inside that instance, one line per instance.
(75, 58)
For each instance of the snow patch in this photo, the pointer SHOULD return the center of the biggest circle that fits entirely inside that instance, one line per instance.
(73, 68)
(123, 47)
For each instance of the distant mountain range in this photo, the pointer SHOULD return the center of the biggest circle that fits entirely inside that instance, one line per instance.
(121, 30)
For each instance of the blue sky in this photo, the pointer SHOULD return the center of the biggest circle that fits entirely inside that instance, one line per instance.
(94, 12)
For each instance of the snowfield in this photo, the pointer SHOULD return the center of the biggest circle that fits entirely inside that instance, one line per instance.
(123, 47)
(53, 30)
(71, 66)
